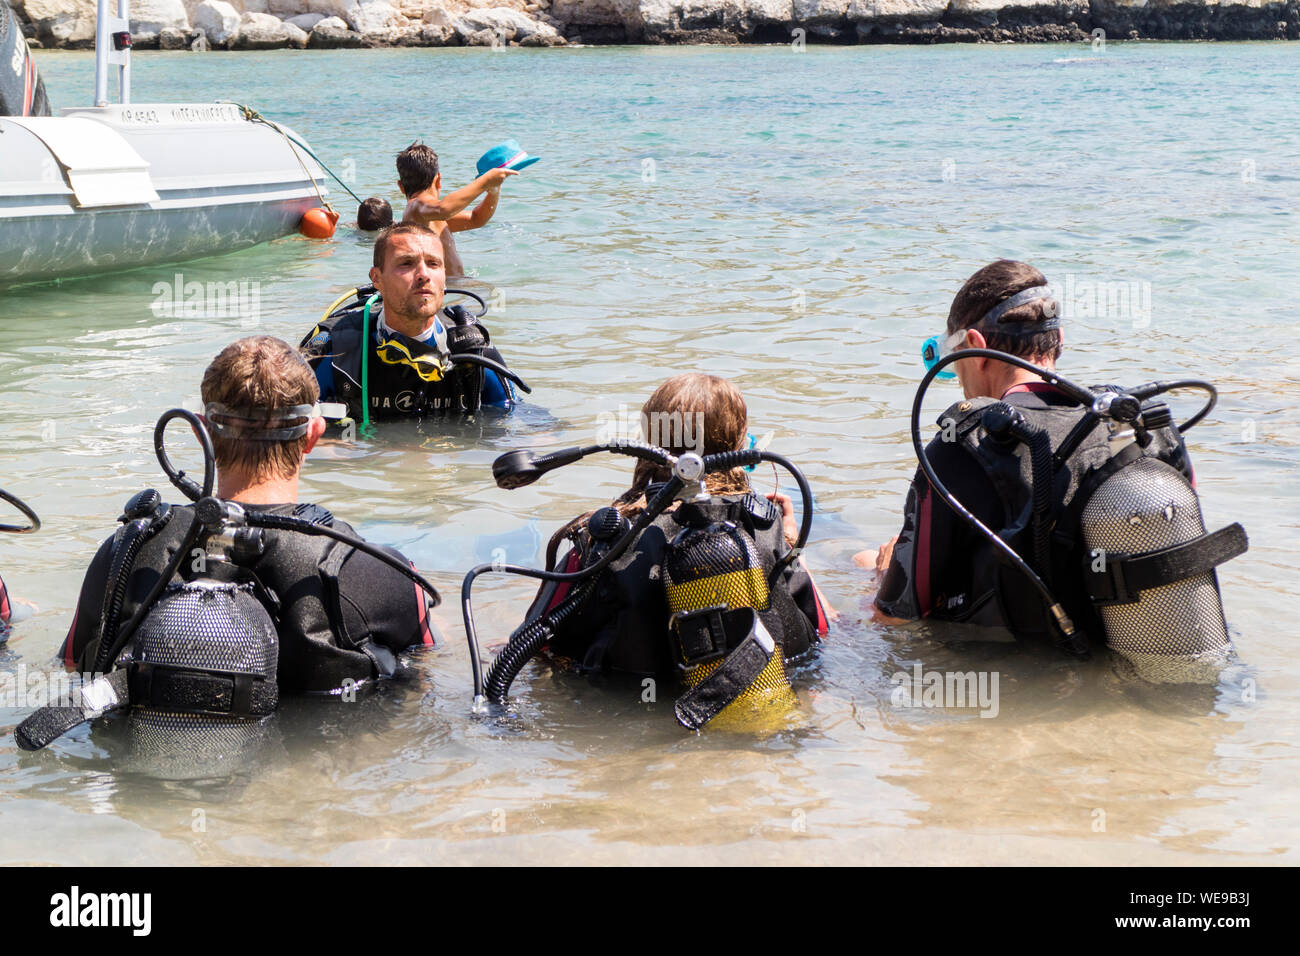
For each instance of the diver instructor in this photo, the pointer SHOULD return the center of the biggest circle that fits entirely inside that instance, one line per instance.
(405, 367)
(342, 616)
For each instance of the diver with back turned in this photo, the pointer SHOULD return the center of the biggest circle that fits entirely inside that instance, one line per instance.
(688, 576)
(203, 615)
(395, 352)
(1053, 510)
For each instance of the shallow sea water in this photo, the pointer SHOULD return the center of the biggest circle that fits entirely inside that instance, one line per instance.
(799, 223)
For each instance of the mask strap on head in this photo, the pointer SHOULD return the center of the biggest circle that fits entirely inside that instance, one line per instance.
(992, 316)
(256, 424)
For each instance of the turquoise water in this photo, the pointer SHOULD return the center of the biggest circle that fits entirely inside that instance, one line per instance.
(798, 222)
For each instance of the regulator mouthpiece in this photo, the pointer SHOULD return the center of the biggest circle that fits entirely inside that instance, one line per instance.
(515, 469)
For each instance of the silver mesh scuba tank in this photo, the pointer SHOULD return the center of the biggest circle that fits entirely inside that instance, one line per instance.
(1175, 631)
(202, 672)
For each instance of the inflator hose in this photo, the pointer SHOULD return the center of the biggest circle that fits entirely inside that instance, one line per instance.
(136, 534)
(468, 358)
(528, 640)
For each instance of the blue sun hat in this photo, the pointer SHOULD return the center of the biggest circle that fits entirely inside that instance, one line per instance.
(507, 154)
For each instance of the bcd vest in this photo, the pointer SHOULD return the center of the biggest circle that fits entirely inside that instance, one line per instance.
(397, 391)
(299, 578)
(1081, 460)
(624, 624)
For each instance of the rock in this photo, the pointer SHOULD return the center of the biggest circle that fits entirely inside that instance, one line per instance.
(439, 17)
(504, 23)
(481, 38)
(435, 34)
(332, 33)
(287, 9)
(154, 16)
(68, 23)
(169, 38)
(260, 31)
(218, 20)
(329, 8)
(820, 11)
(298, 37)
(374, 18)
(306, 21)
(860, 10)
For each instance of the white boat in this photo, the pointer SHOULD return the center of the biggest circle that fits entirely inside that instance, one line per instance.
(116, 186)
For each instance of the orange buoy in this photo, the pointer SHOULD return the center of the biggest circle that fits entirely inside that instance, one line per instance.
(318, 223)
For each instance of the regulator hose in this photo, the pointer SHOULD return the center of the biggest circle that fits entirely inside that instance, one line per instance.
(469, 358)
(34, 523)
(187, 486)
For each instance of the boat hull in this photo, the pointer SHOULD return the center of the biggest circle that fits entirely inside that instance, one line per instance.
(117, 188)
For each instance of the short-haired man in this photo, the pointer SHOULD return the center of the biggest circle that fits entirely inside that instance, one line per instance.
(342, 616)
(411, 364)
(940, 567)
(421, 183)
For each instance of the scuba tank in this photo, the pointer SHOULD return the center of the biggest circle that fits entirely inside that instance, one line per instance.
(715, 584)
(195, 667)
(717, 589)
(1109, 518)
(1169, 623)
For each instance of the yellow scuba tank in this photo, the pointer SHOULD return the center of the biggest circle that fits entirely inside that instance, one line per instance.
(712, 573)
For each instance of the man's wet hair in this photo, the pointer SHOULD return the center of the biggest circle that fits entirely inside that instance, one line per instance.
(417, 168)
(374, 214)
(401, 229)
(260, 372)
(995, 283)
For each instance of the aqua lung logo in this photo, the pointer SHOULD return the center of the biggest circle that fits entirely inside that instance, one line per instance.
(76, 909)
(404, 401)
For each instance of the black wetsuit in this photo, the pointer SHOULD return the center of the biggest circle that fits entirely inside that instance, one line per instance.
(342, 615)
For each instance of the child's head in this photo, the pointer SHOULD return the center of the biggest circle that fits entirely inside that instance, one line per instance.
(417, 168)
(374, 214)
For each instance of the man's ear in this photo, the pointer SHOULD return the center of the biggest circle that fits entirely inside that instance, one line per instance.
(315, 429)
(975, 339)
(375, 275)
(437, 183)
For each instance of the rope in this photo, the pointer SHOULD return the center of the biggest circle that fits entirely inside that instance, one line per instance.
(253, 116)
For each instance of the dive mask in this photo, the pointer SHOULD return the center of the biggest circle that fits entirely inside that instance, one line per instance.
(939, 346)
(430, 365)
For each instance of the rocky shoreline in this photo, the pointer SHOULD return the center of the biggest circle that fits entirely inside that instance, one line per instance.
(331, 24)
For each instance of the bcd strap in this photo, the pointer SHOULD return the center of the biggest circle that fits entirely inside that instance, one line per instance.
(733, 676)
(195, 692)
(1123, 577)
(50, 723)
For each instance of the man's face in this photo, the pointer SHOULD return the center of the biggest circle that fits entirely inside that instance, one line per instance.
(412, 280)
